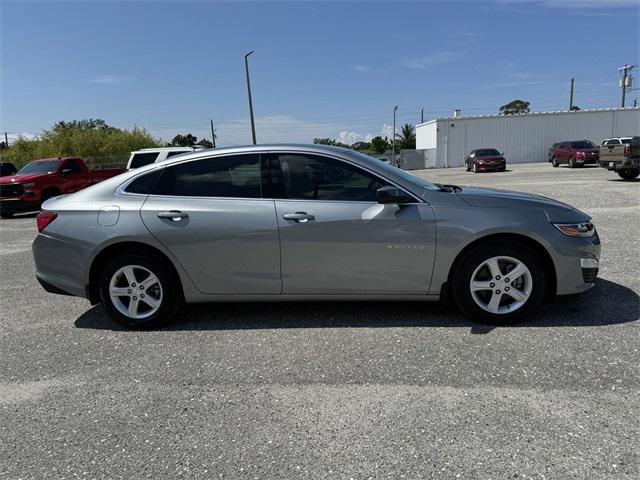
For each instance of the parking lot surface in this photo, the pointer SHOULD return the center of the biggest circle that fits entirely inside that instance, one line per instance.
(337, 390)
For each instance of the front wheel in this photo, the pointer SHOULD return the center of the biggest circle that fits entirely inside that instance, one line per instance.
(499, 282)
(554, 162)
(139, 291)
(628, 173)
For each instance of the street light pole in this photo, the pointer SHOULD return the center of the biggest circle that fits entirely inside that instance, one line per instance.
(393, 139)
(246, 70)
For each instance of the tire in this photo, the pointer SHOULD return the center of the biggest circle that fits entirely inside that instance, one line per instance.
(474, 168)
(628, 173)
(554, 162)
(530, 285)
(166, 291)
(572, 163)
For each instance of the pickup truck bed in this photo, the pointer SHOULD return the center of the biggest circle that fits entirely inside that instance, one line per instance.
(621, 155)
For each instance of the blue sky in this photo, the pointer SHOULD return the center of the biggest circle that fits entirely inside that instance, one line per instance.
(320, 69)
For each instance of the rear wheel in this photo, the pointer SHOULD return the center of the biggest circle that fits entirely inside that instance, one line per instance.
(139, 291)
(554, 162)
(499, 282)
(628, 173)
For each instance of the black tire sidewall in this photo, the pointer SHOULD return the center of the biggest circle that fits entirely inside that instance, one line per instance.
(628, 173)
(171, 290)
(476, 256)
(554, 162)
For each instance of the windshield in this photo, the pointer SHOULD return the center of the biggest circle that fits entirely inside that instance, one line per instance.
(396, 171)
(46, 166)
(582, 145)
(487, 152)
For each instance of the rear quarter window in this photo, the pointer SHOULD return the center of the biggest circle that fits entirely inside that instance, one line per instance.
(144, 184)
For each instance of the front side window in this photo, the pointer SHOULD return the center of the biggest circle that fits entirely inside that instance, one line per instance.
(142, 159)
(73, 166)
(235, 176)
(314, 177)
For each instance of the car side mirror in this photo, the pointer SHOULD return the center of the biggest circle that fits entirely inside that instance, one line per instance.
(65, 172)
(389, 194)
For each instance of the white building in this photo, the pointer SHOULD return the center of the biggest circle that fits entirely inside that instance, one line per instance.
(524, 138)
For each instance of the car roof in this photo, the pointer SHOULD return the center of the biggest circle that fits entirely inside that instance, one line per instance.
(56, 158)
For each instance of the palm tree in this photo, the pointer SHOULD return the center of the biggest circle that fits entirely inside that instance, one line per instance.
(407, 138)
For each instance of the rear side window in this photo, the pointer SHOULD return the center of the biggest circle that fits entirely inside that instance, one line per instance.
(236, 176)
(173, 154)
(144, 184)
(142, 159)
(73, 166)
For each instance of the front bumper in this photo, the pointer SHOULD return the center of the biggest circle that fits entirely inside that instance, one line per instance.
(490, 167)
(586, 160)
(577, 263)
(18, 205)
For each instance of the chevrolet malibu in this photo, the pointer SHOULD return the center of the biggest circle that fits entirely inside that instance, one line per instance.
(295, 222)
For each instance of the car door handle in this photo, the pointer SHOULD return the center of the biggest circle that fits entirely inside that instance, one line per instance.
(175, 215)
(300, 217)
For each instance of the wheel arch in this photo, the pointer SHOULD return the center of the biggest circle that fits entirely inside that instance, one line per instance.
(50, 189)
(121, 248)
(537, 247)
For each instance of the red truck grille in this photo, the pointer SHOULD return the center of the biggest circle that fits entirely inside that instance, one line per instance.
(11, 190)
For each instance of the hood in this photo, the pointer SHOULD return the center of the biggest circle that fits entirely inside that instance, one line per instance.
(487, 197)
(22, 178)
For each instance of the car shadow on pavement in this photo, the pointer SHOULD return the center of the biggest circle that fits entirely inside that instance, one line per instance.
(607, 304)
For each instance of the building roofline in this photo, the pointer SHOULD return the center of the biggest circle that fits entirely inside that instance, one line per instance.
(531, 114)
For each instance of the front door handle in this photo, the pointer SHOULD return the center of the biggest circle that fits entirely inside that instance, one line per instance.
(174, 215)
(300, 217)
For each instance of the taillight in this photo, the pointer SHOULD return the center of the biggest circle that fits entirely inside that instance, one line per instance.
(43, 219)
(627, 150)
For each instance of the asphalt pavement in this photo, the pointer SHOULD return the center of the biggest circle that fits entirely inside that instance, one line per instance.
(336, 390)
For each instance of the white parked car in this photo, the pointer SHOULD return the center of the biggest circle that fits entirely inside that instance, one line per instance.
(145, 156)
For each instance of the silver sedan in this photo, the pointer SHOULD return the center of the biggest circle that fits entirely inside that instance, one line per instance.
(296, 222)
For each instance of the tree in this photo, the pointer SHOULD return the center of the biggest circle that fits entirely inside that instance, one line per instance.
(3, 146)
(324, 141)
(407, 139)
(361, 146)
(514, 107)
(180, 140)
(205, 143)
(85, 124)
(379, 145)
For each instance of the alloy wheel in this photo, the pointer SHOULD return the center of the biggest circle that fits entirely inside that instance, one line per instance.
(501, 285)
(135, 291)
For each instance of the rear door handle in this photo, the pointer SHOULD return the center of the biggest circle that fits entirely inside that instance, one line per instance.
(300, 217)
(174, 215)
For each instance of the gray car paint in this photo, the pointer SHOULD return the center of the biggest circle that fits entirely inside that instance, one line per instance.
(231, 248)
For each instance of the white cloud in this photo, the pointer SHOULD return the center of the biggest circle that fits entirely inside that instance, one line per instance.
(521, 75)
(432, 58)
(362, 68)
(110, 79)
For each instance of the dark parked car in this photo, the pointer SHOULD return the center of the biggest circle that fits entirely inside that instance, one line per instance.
(575, 153)
(485, 160)
(7, 169)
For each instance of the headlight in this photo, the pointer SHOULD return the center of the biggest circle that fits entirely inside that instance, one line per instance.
(28, 187)
(576, 229)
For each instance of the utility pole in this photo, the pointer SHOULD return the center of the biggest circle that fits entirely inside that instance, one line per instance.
(422, 116)
(635, 102)
(393, 139)
(213, 135)
(246, 70)
(571, 96)
(6, 140)
(625, 81)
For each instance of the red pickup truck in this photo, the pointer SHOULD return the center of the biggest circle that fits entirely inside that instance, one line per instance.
(40, 180)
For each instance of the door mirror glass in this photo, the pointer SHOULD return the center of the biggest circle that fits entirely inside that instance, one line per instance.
(391, 194)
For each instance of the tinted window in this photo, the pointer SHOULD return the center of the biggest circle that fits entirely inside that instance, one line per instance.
(72, 165)
(626, 140)
(230, 176)
(142, 159)
(173, 154)
(144, 183)
(487, 152)
(582, 145)
(312, 177)
(615, 141)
